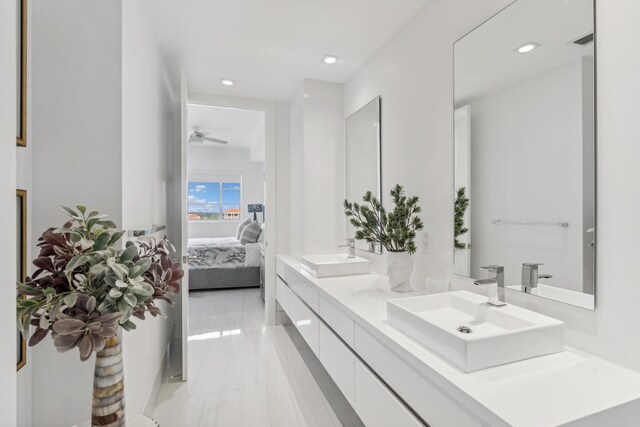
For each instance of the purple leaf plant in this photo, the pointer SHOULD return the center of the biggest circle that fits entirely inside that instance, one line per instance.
(86, 284)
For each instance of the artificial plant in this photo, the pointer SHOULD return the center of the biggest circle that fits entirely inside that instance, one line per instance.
(460, 209)
(85, 286)
(395, 230)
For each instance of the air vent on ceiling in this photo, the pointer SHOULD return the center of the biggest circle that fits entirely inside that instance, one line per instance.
(583, 41)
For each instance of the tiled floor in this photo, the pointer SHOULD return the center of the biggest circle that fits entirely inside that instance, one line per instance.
(240, 372)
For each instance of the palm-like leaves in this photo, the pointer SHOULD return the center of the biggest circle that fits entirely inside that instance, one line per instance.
(460, 208)
(84, 288)
(395, 230)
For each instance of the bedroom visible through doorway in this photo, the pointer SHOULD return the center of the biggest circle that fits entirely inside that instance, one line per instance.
(225, 198)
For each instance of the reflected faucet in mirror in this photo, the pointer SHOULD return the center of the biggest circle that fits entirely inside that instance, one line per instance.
(495, 285)
(530, 276)
(524, 130)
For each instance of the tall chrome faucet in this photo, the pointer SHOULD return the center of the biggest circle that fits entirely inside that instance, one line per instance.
(530, 276)
(351, 244)
(495, 284)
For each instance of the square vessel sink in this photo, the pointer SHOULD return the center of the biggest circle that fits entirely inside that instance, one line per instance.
(471, 334)
(334, 265)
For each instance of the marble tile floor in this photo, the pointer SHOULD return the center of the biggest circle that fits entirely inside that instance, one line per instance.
(241, 373)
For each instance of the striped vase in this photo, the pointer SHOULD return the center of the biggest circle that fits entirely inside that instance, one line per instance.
(108, 386)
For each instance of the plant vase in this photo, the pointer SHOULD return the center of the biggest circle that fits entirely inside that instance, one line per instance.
(108, 385)
(399, 269)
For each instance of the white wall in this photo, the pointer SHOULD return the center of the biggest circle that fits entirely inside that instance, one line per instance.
(203, 160)
(296, 174)
(147, 121)
(323, 140)
(316, 130)
(7, 207)
(414, 75)
(76, 120)
(526, 165)
(283, 195)
(148, 111)
(102, 114)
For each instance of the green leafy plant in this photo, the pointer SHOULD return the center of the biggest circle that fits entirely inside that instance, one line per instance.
(395, 230)
(85, 287)
(460, 209)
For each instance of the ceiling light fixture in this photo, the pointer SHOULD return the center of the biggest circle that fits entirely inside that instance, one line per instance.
(330, 59)
(527, 47)
(227, 82)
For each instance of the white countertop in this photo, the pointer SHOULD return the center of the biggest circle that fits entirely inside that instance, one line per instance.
(544, 391)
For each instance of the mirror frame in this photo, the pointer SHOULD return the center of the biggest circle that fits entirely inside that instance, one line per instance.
(595, 148)
(375, 248)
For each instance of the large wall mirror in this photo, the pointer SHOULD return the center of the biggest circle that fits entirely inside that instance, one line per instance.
(362, 136)
(525, 149)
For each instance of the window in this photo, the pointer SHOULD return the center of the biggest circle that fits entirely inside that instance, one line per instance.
(213, 201)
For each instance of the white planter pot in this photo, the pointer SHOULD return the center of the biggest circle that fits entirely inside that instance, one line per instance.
(399, 269)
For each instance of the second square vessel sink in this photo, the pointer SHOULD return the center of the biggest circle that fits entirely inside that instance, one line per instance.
(469, 333)
(334, 265)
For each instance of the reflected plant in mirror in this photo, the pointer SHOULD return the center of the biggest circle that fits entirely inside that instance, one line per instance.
(460, 210)
(524, 149)
(395, 231)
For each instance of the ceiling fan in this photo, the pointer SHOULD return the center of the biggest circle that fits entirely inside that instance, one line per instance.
(199, 136)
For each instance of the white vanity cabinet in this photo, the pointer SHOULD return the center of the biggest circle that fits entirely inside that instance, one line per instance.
(391, 380)
(337, 320)
(339, 362)
(331, 335)
(305, 320)
(424, 397)
(376, 405)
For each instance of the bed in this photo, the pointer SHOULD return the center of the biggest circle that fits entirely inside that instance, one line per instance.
(224, 262)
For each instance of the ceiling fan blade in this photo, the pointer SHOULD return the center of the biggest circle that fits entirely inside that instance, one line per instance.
(217, 141)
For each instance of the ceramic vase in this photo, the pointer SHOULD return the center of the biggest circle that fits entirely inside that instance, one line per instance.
(399, 269)
(108, 386)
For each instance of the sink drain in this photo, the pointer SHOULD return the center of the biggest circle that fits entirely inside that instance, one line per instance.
(465, 329)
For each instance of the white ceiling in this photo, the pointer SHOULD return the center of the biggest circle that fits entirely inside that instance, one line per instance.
(269, 46)
(241, 128)
(485, 59)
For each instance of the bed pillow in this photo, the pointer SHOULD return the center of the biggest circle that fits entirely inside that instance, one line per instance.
(261, 237)
(250, 233)
(241, 227)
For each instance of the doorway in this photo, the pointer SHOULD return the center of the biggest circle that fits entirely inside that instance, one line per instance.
(241, 195)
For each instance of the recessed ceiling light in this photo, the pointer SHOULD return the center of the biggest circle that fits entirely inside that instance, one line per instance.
(227, 82)
(330, 59)
(527, 47)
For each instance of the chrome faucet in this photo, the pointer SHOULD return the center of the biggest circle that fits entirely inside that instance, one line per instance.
(530, 276)
(495, 285)
(351, 244)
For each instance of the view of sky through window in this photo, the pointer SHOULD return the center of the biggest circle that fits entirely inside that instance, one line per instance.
(213, 201)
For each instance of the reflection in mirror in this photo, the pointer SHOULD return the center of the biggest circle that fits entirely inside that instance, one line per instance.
(363, 159)
(525, 149)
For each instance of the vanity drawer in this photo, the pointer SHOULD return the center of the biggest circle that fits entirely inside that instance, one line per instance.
(341, 324)
(282, 294)
(338, 360)
(425, 398)
(305, 320)
(300, 286)
(280, 267)
(376, 405)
